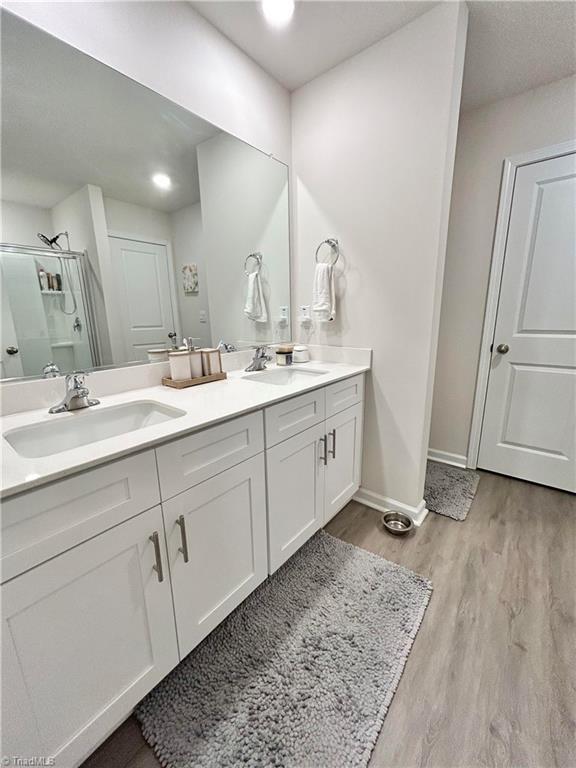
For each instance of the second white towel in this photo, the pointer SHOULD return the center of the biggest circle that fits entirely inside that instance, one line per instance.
(323, 294)
(255, 306)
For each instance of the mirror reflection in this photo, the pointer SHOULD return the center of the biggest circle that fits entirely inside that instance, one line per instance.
(128, 223)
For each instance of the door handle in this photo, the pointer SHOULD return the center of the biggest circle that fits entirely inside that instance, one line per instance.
(12, 350)
(333, 451)
(181, 522)
(503, 349)
(155, 539)
(324, 457)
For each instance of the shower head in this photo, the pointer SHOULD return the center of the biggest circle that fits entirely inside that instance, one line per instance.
(53, 242)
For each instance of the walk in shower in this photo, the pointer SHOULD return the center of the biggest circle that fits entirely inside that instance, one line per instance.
(46, 317)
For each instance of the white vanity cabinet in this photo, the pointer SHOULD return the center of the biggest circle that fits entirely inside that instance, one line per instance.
(85, 636)
(312, 475)
(217, 548)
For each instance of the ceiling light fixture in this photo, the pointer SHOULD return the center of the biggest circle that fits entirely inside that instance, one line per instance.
(162, 181)
(278, 12)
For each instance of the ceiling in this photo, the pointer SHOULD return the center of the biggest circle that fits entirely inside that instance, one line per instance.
(57, 136)
(512, 46)
(68, 121)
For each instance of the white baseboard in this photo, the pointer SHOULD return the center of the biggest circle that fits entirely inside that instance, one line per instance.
(456, 459)
(385, 504)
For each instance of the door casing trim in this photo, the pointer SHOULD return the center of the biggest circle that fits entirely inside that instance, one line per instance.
(511, 165)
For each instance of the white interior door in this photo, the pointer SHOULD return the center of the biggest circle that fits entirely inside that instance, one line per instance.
(143, 276)
(529, 427)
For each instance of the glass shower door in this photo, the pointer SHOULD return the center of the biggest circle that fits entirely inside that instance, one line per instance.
(44, 313)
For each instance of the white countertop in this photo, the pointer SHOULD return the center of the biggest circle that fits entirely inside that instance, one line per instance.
(205, 405)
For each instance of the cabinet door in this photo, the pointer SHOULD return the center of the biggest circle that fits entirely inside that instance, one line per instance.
(295, 492)
(342, 476)
(85, 636)
(217, 548)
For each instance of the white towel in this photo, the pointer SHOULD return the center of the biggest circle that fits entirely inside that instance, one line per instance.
(323, 295)
(255, 307)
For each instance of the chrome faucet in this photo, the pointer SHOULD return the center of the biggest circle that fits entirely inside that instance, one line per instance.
(50, 371)
(224, 346)
(76, 396)
(259, 360)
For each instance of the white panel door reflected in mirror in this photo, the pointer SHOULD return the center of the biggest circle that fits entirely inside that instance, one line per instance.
(145, 189)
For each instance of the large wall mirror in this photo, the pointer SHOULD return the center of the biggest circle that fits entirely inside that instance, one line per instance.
(128, 223)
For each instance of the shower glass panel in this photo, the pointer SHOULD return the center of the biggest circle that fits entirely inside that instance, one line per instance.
(45, 317)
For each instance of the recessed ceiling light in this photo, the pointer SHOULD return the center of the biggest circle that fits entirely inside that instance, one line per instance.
(278, 12)
(162, 181)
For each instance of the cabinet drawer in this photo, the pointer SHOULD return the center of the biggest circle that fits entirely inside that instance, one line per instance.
(193, 459)
(290, 417)
(344, 394)
(40, 524)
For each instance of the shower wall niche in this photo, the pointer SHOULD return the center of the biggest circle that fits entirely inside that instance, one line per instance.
(45, 314)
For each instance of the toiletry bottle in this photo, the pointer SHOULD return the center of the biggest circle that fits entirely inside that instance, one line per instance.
(42, 279)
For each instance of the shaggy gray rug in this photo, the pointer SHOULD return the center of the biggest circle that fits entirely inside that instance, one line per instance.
(450, 490)
(301, 674)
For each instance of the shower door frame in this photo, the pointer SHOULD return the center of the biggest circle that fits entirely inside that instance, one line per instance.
(80, 257)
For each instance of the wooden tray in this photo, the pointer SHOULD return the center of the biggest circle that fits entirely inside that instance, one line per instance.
(167, 381)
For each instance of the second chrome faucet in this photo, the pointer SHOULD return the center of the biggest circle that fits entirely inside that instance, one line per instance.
(259, 360)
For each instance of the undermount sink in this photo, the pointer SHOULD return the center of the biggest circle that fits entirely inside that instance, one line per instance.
(285, 376)
(86, 426)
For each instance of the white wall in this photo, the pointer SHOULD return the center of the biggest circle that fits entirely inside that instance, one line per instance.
(82, 215)
(173, 50)
(132, 220)
(244, 209)
(188, 247)
(486, 136)
(21, 223)
(373, 147)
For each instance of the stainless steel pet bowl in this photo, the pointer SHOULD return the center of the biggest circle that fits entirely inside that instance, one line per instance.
(397, 523)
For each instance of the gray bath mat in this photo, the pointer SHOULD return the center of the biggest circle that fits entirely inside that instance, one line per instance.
(450, 490)
(301, 674)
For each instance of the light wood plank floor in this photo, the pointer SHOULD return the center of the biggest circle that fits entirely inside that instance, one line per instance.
(491, 679)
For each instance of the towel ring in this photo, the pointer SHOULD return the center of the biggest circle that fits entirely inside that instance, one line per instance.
(258, 257)
(333, 243)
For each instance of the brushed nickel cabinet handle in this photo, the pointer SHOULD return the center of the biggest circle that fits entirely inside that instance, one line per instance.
(324, 457)
(155, 539)
(181, 522)
(333, 451)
